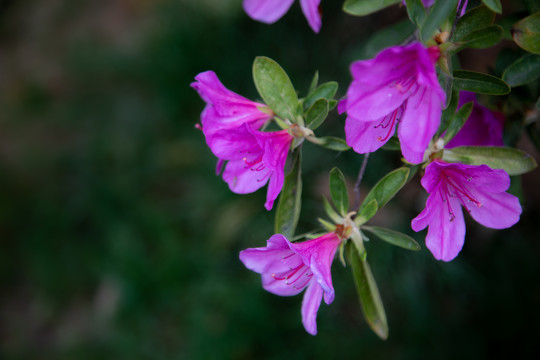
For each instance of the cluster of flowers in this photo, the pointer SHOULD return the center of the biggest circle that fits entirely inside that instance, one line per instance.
(398, 89)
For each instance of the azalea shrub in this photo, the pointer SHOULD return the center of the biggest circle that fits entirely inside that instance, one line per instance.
(445, 123)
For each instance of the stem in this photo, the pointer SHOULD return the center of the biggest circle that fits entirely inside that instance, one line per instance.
(459, 9)
(359, 181)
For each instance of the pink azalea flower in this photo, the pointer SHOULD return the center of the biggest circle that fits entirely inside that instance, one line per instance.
(230, 125)
(483, 127)
(398, 86)
(226, 110)
(270, 11)
(480, 189)
(255, 159)
(288, 268)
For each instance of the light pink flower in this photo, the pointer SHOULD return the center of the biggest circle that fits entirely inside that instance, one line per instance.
(270, 11)
(288, 268)
(480, 189)
(398, 86)
(483, 127)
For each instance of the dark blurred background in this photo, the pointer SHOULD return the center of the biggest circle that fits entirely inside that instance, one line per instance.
(119, 242)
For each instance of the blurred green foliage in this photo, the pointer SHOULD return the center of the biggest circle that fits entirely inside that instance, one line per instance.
(119, 242)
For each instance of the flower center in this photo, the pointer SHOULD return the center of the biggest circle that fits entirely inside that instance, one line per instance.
(454, 188)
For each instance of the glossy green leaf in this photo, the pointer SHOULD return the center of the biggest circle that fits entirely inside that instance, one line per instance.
(366, 213)
(317, 113)
(493, 5)
(338, 191)
(275, 87)
(484, 38)
(480, 83)
(324, 91)
(475, 19)
(366, 7)
(288, 209)
(393, 237)
(526, 33)
(513, 161)
(368, 292)
(437, 15)
(387, 187)
(416, 11)
(332, 143)
(392, 35)
(523, 71)
(458, 121)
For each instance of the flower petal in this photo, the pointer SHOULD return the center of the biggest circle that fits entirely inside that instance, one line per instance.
(267, 11)
(310, 8)
(420, 121)
(446, 233)
(245, 179)
(310, 306)
(365, 136)
(318, 254)
(496, 211)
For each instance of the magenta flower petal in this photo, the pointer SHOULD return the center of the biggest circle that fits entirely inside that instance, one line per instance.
(402, 79)
(245, 179)
(479, 189)
(483, 127)
(310, 307)
(419, 123)
(267, 11)
(310, 8)
(365, 137)
(318, 255)
(287, 268)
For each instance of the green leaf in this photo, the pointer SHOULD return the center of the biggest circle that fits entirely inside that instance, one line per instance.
(314, 82)
(366, 7)
(331, 143)
(317, 113)
(438, 14)
(475, 19)
(416, 11)
(393, 35)
(366, 213)
(288, 210)
(448, 114)
(368, 292)
(393, 237)
(338, 191)
(332, 214)
(458, 121)
(484, 38)
(480, 83)
(324, 91)
(513, 161)
(494, 5)
(386, 188)
(275, 87)
(523, 71)
(526, 33)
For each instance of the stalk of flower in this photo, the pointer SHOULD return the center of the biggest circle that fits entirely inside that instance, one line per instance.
(398, 86)
(270, 11)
